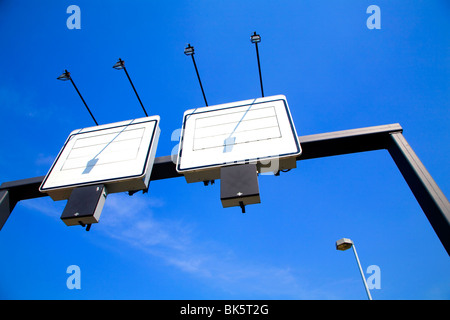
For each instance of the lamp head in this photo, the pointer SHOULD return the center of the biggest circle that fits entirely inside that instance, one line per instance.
(119, 65)
(189, 50)
(344, 244)
(65, 76)
(255, 38)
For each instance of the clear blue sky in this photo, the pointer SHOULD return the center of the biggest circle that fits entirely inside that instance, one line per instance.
(177, 242)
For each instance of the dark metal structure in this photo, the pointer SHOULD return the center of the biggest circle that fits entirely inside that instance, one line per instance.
(189, 51)
(256, 38)
(66, 76)
(121, 65)
(389, 137)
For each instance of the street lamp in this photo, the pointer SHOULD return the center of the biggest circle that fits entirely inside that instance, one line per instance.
(121, 65)
(66, 76)
(256, 38)
(189, 51)
(345, 244)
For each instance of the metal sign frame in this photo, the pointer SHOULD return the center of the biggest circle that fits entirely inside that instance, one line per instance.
(389, 137)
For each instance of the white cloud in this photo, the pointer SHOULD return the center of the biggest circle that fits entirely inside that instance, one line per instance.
(45, 205)
(174, 242)
(131, 222)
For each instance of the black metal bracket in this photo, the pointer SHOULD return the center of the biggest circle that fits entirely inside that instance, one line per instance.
(207, 182)
(241, 204)
(88, 227)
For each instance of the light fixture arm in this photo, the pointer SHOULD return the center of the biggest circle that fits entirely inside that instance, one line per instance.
(259, 69)
(199, 81)
(142, 105)
(255, 38)
(189, 51)
(83, 101)
(66, 76)
(121, 65)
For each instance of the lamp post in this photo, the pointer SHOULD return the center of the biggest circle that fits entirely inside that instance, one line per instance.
(66, 76)
(256, 38)
(189, 51)
(121, 65)
(344, 244)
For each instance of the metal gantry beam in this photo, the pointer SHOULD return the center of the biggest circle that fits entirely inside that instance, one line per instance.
(389, 137)
(428, 194)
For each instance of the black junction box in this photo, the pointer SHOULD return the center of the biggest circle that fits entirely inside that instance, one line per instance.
(85, 205)
(239, 185)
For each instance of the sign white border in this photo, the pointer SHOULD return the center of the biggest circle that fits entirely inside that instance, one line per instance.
(128, 178)
(191, 158)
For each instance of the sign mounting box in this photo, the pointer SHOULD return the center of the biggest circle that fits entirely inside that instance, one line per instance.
(118, 155)
(257, 131)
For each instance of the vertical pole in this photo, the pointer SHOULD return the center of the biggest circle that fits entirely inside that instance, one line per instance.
(362, 273)
(429, 196)
(6, 206)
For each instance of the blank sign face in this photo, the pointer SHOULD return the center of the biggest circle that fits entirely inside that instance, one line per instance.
(111, 153)
(237, 132)
(243, 125)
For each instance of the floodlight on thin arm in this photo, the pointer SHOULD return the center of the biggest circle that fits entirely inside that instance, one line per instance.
(189, 51)
(66, 76)
(119, 65)
(256, 38)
